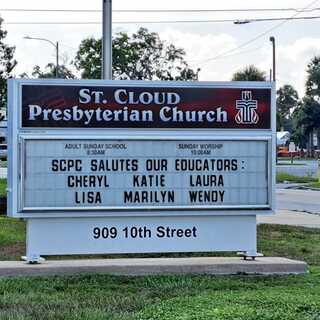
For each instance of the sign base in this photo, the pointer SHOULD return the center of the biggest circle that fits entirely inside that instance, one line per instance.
(100, 235)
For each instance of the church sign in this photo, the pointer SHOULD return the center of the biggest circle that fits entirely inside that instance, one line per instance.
(130, 160)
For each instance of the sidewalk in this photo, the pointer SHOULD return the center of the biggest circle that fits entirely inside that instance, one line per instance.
(292, 218)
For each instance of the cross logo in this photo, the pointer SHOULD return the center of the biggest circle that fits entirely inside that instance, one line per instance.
(247, 109)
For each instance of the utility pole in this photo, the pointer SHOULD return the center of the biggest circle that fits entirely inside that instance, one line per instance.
(272, 39)
(57, 59)
(107, 40)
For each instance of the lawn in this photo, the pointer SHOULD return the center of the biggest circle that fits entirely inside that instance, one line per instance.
(282, 176)
(12, 238)
(315, 185)
(168, 297)
(309, 181)
(3, 187)
(161, 297)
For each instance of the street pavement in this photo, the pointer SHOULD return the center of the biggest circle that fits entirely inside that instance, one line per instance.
(291, 218)
(295, 207)
(298, 200)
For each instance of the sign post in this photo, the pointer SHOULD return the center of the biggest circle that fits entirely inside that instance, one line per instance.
(292, 149)
(107, 39)
(134, 166)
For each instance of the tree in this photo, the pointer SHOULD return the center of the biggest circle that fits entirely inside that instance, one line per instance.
(299, 130)
(299, 136)
(313, 96)
(287, 98)
(313, 78)
(7, 64)
(249, 73)
(306, 118)
(50, 72)
(142, 56)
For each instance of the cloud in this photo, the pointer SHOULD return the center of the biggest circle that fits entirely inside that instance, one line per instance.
(300, 49)
(297, 42)
(293, 60)
(201, 47)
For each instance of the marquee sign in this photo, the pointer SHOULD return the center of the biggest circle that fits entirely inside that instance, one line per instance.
(179, 163)
(145, 175)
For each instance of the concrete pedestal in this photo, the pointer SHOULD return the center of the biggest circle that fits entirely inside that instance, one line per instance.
(162, 266)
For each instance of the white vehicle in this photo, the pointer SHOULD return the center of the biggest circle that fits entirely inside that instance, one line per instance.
(283, 137)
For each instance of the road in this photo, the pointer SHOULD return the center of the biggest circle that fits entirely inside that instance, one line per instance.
(291, 218)
(298, 200)
(293, 207)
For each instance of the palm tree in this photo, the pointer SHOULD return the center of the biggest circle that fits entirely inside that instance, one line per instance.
(249, 73)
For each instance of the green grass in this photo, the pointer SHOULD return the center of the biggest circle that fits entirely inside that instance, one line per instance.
(315, 185)
(12, 238)
(3, 187)
(291, 242)
(168, 297)
(282, 176)
(289, 163)
(161, 297)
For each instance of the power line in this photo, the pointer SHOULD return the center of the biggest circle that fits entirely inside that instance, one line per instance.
(163, 10)
(120, 22)
(232, 55)
(242, 21)
(257, 37)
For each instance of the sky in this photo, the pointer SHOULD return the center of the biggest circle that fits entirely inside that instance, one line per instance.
(213, 47)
